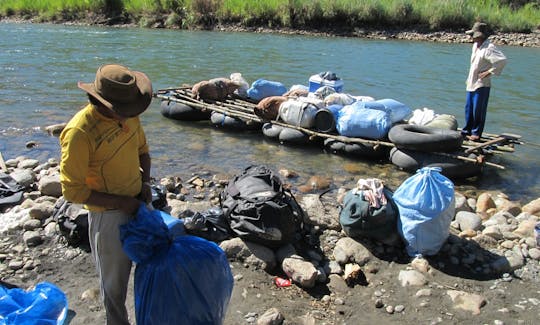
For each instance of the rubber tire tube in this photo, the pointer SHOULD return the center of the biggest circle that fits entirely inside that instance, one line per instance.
(423, 138)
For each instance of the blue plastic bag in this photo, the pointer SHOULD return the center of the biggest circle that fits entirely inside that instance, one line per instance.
(426, 205)
(357, 120)
(398, 111)
(45, 304)
(263, 88)
(179, 279)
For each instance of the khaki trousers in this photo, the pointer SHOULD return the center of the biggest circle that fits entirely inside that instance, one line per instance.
(113, 265)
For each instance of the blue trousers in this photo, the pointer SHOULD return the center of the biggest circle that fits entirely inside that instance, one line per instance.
(475, 111)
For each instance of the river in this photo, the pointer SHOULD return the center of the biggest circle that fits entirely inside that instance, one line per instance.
(41, 64)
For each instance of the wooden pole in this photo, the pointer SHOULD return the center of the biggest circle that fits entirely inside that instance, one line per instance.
(3, 163)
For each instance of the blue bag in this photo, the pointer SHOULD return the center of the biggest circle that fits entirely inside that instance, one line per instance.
(426, 205)
(179, 279)
(45, 304)
(262, 88)
(398, 111)
(357, 120)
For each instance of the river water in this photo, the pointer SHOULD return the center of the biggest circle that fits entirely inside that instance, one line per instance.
(40, 65)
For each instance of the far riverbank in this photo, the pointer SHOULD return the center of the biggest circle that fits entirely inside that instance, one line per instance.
(512, 39)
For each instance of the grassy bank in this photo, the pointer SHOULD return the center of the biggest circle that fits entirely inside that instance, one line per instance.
(503, 15)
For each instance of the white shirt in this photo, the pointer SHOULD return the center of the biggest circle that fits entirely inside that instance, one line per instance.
(487, 57)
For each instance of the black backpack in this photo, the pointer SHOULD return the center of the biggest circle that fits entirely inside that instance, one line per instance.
(259, 209)
(72, 220)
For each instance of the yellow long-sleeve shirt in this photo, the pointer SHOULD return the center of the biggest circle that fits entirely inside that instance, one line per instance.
(100, 154)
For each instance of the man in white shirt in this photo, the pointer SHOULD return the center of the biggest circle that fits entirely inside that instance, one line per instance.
(486, 60)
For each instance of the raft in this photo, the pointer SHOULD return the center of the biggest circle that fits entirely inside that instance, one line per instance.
(465, 159)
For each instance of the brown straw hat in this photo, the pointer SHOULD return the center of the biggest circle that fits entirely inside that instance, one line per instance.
(126, 92)
(479, 30)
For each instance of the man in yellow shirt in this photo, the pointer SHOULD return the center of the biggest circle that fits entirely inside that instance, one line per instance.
(105, 164)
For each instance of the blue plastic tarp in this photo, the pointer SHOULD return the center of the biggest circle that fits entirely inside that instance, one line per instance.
(45, 304)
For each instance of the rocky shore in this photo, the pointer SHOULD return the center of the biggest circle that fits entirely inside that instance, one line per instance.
(513, 39)
(487, 272)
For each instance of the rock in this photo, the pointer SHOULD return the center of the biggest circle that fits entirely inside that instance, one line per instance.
(31, 224)
(484, 202)
(493, 232)
(461, 203)
(468, 220)
(28, 164)
(349, 250)
(337, 284)
(467, 301)
(32, 238)
(55, 129)
(514, 208)
(271, 317)
(525, 228)
(332, 267)
(423, 293)
(300, 271)
(420, 264)
(515, 260)
(25, 177)
(534, 253)
(318, 214)
(411, 278)
(532, 207)
(485, 241)
(91, 295)
(50, 185)
(41, 211)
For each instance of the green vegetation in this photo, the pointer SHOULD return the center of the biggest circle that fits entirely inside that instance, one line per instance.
(339, 15)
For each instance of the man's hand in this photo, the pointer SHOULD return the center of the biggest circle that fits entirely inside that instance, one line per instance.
(146, 192)
(484, 74)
